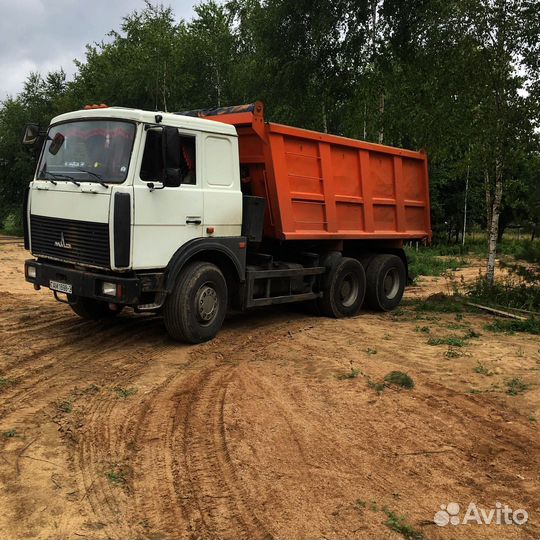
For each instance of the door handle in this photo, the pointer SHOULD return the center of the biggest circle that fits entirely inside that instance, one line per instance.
(193, 221)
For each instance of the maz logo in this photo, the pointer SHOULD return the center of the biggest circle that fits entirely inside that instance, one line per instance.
(62, 242)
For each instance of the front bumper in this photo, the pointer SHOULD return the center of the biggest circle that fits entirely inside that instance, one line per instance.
(85, 283)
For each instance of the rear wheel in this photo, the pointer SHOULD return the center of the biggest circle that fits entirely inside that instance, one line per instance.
(385, 282)
(88, 308)
(345, 291)
(196, 308)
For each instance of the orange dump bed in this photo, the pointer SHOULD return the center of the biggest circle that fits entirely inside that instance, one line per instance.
(321, 186)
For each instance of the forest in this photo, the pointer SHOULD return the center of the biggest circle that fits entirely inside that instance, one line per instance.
(459, 79)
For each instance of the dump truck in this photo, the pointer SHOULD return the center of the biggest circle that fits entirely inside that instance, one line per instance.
(199, 213)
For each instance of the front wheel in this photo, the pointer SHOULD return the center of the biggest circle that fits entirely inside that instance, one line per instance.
(196, 308)
(346, 287)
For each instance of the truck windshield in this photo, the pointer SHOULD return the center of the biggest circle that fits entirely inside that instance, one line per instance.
(87, 151)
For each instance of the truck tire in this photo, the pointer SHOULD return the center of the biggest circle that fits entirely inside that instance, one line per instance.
(196, 308)
(344, 295)
(94, 310)
(385, 282)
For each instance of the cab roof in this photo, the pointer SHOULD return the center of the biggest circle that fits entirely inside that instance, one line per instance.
(148, 117)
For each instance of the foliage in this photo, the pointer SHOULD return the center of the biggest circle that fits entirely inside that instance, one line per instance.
(510, 326)
(399, 524)
(12, 224)
(482, 369)
(519, 289)
(457, 79)
(349, 375)
(436, 303)
(428, 262)
(398, 378)
(451, 341)
(516, 386)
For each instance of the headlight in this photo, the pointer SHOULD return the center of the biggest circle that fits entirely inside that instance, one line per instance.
(108, 288)
(31, 272)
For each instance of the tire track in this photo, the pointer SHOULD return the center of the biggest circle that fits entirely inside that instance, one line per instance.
(222, 505)
(65, 365)
(180, 434)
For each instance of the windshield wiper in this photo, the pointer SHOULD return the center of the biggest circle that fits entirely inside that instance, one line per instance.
(47, 179)
(58, 176)
(97, 176)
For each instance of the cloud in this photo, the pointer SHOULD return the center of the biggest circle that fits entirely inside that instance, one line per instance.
(45, 35)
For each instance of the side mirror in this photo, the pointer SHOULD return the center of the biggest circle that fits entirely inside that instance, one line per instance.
(170, 144)
(56, 144)
(31, 135)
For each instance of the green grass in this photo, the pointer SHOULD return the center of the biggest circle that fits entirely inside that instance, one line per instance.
(518, 288)
(6, 383)
(482, 370)
(510, 326)
(124, 392)
(522, 249)
(436, 303)
(349, 375)
(454, 341)
(377, 386)
(66, 406)
(116, 476)
(423, 329)
(399, 524)
(428, 262)
(451, 341)
(515, 386)
(371, 351)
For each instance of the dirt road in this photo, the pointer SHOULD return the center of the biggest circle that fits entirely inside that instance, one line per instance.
(115, 431)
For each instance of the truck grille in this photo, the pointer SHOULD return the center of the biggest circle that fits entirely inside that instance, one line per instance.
(83, 242)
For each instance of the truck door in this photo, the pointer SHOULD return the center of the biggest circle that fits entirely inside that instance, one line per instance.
(165, 217)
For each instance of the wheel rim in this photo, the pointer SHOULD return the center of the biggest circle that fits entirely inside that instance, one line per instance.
(349, 290)
(391, 283)
(207, 302)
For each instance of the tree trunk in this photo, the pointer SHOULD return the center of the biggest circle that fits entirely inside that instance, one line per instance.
(381, 115)
(365, 121)
(324, 118)
(489, 202)
(164, 87)
(494, 225)
(218, 85)
(465, 207)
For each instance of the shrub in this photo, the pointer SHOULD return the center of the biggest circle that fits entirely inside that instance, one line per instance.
(428, 262)
(12, 225)
(510, 326)
(399, 378)
(516, 386)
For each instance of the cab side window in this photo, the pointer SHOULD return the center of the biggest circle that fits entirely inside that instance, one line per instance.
(152, 166)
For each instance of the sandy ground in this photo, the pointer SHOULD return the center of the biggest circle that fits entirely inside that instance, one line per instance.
(115, 431)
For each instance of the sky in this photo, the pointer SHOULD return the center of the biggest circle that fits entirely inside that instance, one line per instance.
(45, 35)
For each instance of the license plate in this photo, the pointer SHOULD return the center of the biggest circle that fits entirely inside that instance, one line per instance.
(61, 287)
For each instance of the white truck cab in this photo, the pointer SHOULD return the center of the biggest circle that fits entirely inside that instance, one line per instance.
(110, 152)
(120, 195)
